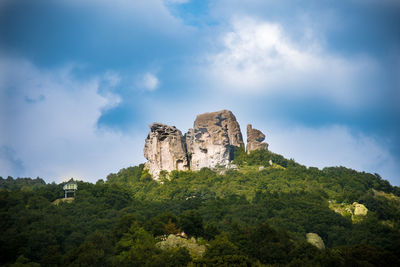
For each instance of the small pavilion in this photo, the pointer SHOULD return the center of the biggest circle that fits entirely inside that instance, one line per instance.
(70, 188)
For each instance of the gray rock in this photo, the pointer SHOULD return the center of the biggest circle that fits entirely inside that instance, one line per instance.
(255, 139)
(360, 209)
(315, 240)
(164, 149)
(210, 143)
(212, 140)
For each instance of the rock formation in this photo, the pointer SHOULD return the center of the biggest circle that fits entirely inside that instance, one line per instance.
(165, 149)
(315, 240)
(212, 140)
(360, 209)
(210, 143)
(173, 241)
(356, 210)
(255, 139)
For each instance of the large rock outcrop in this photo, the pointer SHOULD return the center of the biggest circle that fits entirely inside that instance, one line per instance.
(255, 139)
(360, 209)
(210, 143)
(165, 149)
(212, 140)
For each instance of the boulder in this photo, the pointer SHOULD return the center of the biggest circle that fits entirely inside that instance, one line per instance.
(212, 140)
(315, 240)
(174, 241)
(360, 209)
(61, 200)
(255, 139)
(165, 149)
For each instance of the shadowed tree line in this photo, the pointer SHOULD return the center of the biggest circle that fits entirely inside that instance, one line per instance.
(245, 217)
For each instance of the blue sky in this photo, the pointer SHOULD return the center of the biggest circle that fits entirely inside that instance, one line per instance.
(80, 81)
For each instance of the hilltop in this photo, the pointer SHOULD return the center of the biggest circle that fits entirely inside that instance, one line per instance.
(211, 143)
(257, 209)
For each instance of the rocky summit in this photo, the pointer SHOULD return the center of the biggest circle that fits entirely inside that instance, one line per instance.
(255, 139)
(212, 140)
(210, 143)
(165, 149)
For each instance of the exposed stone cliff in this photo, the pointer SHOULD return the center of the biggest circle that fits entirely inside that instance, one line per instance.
(165, 149)
(210, 143)
(212, 140)
(255, 139)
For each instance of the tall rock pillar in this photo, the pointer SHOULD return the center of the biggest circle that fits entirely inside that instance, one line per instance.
(212, 140)
(255, 139)
(165, 149)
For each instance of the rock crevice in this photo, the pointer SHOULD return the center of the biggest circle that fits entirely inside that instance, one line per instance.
(210, 143)
(212, 139)
(165, 149)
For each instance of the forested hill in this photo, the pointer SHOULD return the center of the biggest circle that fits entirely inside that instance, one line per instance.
(21, 183)
(256, 215)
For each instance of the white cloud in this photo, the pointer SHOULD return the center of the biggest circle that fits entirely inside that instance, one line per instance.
(57, 137)
(334, 145)
(259, 57)
(112, 78)
(149, 82)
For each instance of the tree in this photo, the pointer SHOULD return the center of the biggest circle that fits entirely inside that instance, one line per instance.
(191, 223)
(222, 252)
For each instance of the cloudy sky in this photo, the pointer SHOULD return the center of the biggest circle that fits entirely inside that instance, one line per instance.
(81, 80)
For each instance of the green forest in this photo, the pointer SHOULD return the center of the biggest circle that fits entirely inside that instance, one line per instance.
(257, 214)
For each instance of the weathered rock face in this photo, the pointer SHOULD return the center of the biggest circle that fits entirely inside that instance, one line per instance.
(360, 209)
(210, 143)
(165, 149)
(315, 240)
(255, 139)
(212, 140)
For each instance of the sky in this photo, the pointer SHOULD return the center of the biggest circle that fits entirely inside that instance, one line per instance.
(82, 80)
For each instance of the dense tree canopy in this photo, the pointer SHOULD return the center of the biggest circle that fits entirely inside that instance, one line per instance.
(258, 214)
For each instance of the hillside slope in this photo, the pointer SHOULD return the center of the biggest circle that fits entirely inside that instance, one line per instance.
(255, 215)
